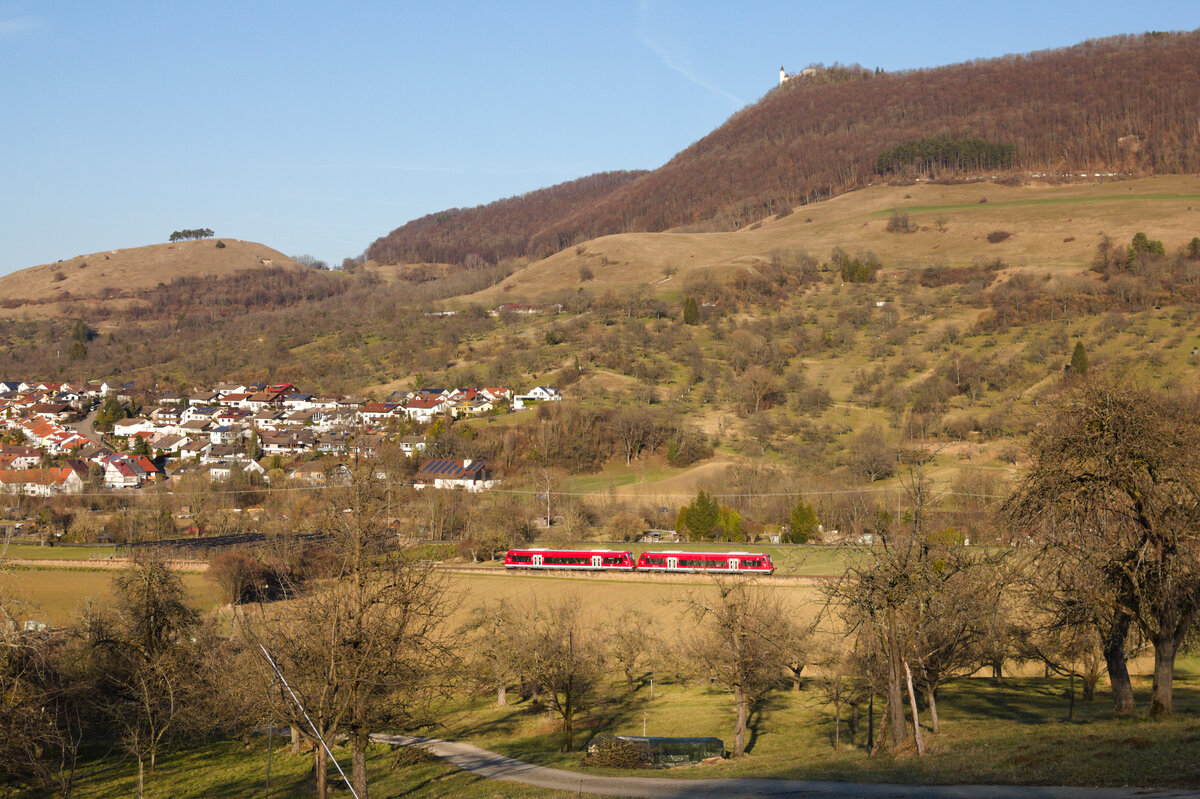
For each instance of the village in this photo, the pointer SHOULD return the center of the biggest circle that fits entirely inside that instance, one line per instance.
(63, 438)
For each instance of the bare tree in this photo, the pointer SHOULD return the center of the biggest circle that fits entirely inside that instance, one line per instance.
(563, 654)
(740, 642)
(1114, 498)
(368, 648)
(632, 642)
(148, 657)
(491, 655)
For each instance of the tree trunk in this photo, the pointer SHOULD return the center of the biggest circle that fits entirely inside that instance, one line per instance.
(629, 679)
(1089, 685)
(895, 702)
(502, 694)
(295, 740)
(997, 672)
(568, 731)
(319, 765)
(743, 714)
(1114, 656)
(796, 668)
(931, 702)
(141, 779)
(837, 726)
(912, 701)
(1161, 703)
(358, 763)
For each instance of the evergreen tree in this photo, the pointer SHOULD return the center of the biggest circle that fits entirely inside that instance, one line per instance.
(1079, 360)
(691, 311)
(803, 523)
(702, 514)
(253, 446)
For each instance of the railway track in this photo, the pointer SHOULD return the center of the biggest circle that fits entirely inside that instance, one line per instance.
(646, 577)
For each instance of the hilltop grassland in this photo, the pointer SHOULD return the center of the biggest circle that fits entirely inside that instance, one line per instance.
(1051, 228)
(119, 277)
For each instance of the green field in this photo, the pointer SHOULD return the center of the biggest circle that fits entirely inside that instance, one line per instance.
(54, 595)
(31, 551)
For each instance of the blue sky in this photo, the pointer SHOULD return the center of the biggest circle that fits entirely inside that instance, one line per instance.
(316, 127)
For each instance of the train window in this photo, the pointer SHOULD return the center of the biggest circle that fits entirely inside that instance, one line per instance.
(612, 561)
(656, 561)
(522, 559)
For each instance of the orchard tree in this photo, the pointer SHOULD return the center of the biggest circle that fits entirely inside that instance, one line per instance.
(741, 640)
(1114, 497)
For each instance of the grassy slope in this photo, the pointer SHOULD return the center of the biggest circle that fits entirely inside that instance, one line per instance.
(1040, 217)
(90, 276)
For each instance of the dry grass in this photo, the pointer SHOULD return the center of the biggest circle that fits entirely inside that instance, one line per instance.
(92, 276)
(1040, 218)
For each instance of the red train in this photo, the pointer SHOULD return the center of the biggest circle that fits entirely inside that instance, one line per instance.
(657, 561)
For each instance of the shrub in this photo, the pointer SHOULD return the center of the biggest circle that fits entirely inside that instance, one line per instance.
(220, 245)
(997, 236)
(900, 223)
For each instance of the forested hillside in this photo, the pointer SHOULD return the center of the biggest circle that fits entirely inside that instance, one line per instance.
(1128, 104)
(498, 230)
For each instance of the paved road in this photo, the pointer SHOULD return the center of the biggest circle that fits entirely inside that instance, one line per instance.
(498, 767)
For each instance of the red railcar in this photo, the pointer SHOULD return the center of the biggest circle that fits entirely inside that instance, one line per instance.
(716, 562)
(571, 559)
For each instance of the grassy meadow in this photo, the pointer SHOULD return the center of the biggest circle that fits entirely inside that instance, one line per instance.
(1012, 732)
(55, 595)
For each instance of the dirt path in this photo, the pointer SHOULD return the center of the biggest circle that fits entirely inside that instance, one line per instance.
(498, 767)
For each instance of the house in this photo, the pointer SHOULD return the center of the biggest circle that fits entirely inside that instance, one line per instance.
(223, 470)
(124, 428)
(41, 482)
(412, 444)
(323, 472)
(469, 475)
(119, 474)
(18, 457)
(55, 411)
(497, 393)
(377, 413)
(367, 445)
(425, 409)
(205, 398)
(537, 394)
(195, 428)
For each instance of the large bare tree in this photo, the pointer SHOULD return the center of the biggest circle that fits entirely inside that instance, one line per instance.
(366, 648)
(743, 640)
(1113, 499)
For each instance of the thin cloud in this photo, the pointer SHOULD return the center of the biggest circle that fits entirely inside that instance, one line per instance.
(17, 25)
(642, 34)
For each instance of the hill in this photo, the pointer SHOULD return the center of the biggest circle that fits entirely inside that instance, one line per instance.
(1128, 105)
(498, 230)
(117, 277)
(1050, 228)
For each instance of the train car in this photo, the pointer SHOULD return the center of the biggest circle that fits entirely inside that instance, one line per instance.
(714, 562)
(570, 559)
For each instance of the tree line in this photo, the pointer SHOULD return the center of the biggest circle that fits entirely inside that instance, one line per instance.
(191, 235)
